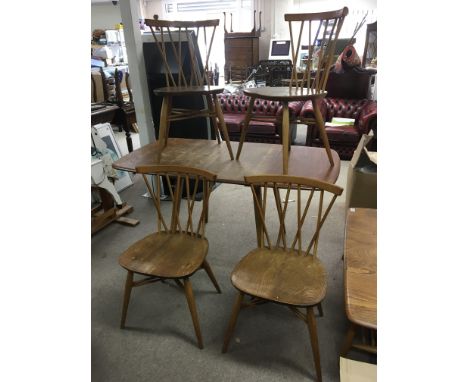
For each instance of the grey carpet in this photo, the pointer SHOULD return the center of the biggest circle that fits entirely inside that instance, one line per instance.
(269, 343)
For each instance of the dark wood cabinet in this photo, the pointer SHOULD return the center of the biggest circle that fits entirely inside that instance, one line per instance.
(241, 51)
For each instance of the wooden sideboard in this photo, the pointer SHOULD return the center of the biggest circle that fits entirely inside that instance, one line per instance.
(241, 51)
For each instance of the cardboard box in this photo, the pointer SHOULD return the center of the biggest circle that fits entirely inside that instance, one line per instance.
(361, 186)
(355, 371)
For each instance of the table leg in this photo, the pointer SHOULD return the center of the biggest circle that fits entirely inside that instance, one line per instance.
(321, 129)
(246, 126)
(285, 136)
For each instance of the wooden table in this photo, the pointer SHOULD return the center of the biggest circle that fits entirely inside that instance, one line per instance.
(360, 274)
(257, 158)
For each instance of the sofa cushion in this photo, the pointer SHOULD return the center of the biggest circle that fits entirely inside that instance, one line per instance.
(233, 122)
(343, 134)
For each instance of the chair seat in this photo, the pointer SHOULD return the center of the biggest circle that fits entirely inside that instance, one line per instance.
(280, 276)
(165, 255)
(182, 90)
(282, 93)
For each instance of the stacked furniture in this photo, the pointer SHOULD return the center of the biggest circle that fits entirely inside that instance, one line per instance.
(327, 24)
(194, 80)
(125, 117)
(107, 87)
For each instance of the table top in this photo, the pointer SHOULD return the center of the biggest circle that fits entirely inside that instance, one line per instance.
(256, 158)
(360, 262)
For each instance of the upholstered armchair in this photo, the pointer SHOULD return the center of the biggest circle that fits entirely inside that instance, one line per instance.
(346, 98)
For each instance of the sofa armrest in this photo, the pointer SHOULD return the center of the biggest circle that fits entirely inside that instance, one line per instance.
(367, 119)
(307, 110)
(295, 109)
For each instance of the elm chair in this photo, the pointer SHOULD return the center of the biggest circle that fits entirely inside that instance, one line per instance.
(292, 275)
(324, 26)
(190, 77)
(125, 116)
(179, 247)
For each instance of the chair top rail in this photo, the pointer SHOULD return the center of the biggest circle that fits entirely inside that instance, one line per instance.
(296, 180)
(165, 169)
(181, 24)
(316, 16)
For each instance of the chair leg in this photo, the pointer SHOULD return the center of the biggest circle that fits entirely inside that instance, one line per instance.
(164, 121)
(222, 124)
(285, 136)
(126, 300)
(321, 129)
(214, 121)
(245, 127)
(232, 321)
(312, 326)
(320, 310)
(348, 342)
(211, 275)
(193, 310)
(177, 281)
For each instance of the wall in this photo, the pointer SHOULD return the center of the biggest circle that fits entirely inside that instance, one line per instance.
(276, 27)
(105, 16)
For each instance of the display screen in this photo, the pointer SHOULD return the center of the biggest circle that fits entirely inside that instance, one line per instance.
(280, 48)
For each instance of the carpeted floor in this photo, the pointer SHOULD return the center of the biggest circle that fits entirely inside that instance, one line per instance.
(269, 343)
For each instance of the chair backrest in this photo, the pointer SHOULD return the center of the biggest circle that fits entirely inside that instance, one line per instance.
(180, 180)
(169, 37)
(304, 189)
(323, 26)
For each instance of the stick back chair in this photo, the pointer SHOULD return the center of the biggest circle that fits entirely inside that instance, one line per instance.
(190, 76)
(179, 247)
(285, 269)
(323, 26)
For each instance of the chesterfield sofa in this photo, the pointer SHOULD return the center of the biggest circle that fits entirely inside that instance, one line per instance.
(342, 139)
(235, 106)
(346, 98)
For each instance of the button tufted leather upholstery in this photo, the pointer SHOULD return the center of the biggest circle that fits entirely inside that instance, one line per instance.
(235, 107)
(343, 139)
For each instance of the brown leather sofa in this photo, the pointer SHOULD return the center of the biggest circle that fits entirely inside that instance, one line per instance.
(343, 139)
(235, 106)
(346, 98)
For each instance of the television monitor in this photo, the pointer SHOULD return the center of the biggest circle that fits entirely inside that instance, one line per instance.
(280, 49)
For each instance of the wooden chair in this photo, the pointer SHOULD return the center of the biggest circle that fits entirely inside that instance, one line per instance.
(323, 25)
(125, 117)
(178, 248)
(275, 272)
(169, 36)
